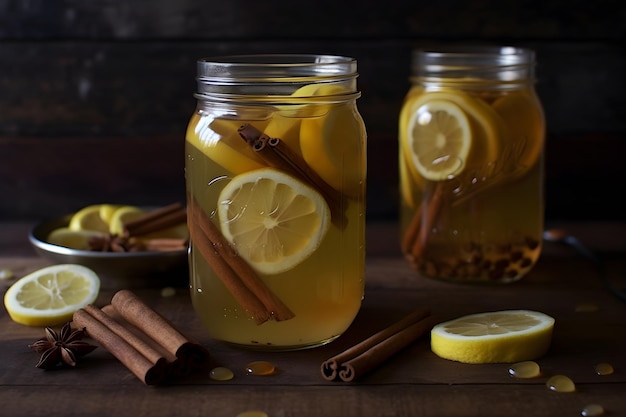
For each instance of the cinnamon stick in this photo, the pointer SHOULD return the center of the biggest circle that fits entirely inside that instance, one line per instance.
(155, 220)
(140, 366)
(371, 352)
(243, 271)
(136, 312)
(416, 235)
(174, 366)
(278, 155)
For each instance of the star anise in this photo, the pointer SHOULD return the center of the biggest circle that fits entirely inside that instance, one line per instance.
(62, 348)
(114, 243)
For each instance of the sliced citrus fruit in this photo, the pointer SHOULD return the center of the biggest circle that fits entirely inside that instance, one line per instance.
(333, 146)
(524, 119)
(107, 210)
(51, 295)
(494, 337)
(121, 216)
(286, 129)
(450, 131)
(74, 239)
(273, 220)
(88, 218)
(218, 139)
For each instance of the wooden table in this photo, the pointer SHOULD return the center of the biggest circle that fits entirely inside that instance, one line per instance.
(413, 383)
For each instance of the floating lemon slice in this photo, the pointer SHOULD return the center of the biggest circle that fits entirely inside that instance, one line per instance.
(51, 295)
(74, 239)
(494, 337)
(88, 218)
(274, 220)
(219, 140)
(331, 145)
(450, 131)
(524, 119)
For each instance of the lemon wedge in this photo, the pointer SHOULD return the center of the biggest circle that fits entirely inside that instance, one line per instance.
(494, 337)
(88, 218)
(74, 239)
(273, 220)
(51, 295)
(449, 131)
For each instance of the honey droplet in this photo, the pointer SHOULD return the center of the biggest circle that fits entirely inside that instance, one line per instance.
(587, 308)
(561, 383)
(260, 368)
(221, 374)
(526, 369)
(604, 368)
(252, 413)
(592, 410)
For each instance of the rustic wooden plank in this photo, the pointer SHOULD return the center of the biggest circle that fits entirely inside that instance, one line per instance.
(237, 19)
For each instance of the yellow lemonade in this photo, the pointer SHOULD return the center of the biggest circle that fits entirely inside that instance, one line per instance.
(471, 169)
(276, 212)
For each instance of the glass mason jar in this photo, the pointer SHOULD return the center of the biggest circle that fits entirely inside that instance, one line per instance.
(275, 177)
(471, 144)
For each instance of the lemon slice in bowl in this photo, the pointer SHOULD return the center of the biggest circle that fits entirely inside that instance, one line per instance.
(273, 220)
(122, 215)
(51, 295)
(88, 218)
(494, 337)
(74, 239)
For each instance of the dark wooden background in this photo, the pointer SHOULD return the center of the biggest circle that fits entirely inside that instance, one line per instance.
(95, 95)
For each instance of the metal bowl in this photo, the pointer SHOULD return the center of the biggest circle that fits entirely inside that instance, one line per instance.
(117, 270)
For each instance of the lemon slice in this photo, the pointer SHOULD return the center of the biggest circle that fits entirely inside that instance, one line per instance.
(450, 131)
(121, 216)
(88, 218)
(107, 210)
(494, 337)
(523, 117)
(330, 145)
(74, 239)
(440, 138)
(219, 140)
(51, 295)
(273, 220)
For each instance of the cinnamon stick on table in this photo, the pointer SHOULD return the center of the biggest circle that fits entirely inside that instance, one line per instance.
(151, 348)
(236, 274)
(373, 351)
